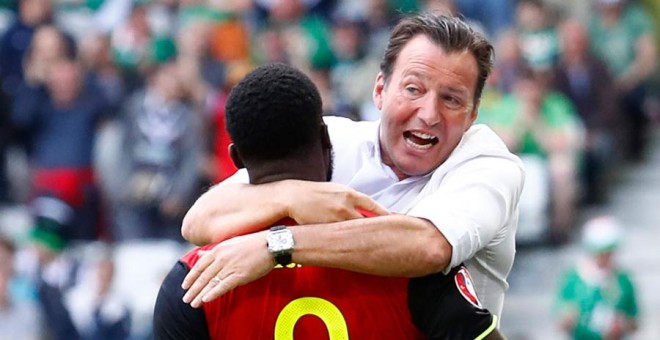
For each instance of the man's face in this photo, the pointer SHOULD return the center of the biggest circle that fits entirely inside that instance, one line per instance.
(427, 105)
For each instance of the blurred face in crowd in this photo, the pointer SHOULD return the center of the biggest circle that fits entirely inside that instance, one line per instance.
(286, 10)
(531, 90)
(604, 259)
(48, 44)
(574, 40)
(508, 48)
(193, 39)
(65, 82)
(530, 16)
(427, 104)
(166, 82)
(346, 39)
(35, 11)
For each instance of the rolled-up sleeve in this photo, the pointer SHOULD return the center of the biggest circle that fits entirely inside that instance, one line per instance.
(473, 204)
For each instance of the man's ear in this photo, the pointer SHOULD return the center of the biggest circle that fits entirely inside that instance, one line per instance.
(325, 137)
(235, 156)
(378, 90)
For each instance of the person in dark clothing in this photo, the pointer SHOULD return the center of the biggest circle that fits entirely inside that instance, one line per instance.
(62, 120)
(585, 79)
(16, 41)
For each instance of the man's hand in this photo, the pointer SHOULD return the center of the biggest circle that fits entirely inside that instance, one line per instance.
(231, 263)
(315, 202)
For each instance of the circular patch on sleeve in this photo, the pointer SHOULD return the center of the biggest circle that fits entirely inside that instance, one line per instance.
(465, 286)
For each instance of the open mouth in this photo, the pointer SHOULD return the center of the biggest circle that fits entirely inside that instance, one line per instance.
(419, 140)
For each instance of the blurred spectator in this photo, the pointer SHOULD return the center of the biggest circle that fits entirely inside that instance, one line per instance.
(163, 145)
(48, 46)
(131, 44)
(381, 17)
(302, 38)
(535, 22)
(596, 297)
(62, 121)
(5, 138)
(16, 40)
(14, 49)
(202, 74)
(587, 82)
(449, 6)
(495, 15)
(97, 310)
(96, 57)
(45, 262)
(352, 75)
(622, 34)
(543, 128)
(19, 318)
(218, 165)
(229, 23)
(509, 61)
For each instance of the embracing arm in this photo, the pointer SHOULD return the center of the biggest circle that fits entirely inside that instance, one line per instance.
(392, 245)
(231, 209)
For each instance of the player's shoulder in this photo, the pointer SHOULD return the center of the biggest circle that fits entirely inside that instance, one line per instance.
(447, 306)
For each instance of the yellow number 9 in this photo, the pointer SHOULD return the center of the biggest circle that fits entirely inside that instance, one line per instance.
(330, 315)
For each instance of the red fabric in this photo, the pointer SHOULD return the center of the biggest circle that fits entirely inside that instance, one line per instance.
(225, 165)
(67, 184)
(372, 307)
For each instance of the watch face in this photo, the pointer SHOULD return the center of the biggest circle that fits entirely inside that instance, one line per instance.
(280, 240)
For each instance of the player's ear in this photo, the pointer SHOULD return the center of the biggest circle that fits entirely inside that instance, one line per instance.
(235, 156)
(325, 137)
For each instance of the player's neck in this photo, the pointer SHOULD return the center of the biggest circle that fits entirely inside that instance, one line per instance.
(306, 169)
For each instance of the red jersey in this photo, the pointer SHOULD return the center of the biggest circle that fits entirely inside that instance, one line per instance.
(307, 302)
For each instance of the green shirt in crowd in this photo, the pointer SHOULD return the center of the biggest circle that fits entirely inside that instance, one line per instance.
(596, 304)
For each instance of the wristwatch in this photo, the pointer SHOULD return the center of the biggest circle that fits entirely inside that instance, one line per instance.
(280, 244)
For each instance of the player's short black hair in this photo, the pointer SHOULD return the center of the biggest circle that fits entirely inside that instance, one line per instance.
(274, 112)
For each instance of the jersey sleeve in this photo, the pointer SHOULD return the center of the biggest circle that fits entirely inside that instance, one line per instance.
(447, 307)
(174, 319)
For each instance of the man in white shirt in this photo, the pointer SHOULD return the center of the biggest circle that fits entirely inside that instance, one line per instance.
(454, 187)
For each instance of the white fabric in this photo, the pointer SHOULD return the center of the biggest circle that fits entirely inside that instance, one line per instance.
(472, 198)
(535, 199)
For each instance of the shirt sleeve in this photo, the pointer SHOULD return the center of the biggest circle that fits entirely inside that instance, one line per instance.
(474, 205)
(174, 319)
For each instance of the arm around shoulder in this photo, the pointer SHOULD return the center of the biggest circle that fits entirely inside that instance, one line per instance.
(228, 210)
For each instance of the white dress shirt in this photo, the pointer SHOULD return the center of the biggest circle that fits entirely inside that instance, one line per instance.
(472, 198)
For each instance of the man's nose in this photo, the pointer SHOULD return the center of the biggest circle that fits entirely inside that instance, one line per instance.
(429, 110)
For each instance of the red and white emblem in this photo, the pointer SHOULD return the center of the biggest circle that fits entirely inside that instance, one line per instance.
(465, 286)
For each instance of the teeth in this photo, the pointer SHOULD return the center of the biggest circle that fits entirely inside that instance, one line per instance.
(418, 146)
(421, 135)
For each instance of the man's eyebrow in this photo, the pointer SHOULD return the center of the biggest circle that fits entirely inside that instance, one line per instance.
(415, 74)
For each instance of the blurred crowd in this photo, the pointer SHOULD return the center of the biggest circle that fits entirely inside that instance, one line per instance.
(112, 123)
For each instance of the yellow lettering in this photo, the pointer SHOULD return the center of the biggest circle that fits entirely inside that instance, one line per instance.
(328, 313)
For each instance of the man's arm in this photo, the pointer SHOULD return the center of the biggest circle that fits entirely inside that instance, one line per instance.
(174, 319)
(393, 245)
(232, 209)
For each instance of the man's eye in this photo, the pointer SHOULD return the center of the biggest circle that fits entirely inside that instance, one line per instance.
(452, 102)
(412, 90)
